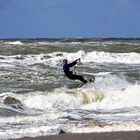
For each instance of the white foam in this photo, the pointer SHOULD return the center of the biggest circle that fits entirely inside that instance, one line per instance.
(32, 131)
(28, 119)
(118, 99)
(55, 60)
(106, 57)
(99, 73)
(52, 101)
(118, 93)
(15, 43)
(57, 43)
(126, 126)
(96, 57)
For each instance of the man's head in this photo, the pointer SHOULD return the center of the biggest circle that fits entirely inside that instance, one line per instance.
(65, 61)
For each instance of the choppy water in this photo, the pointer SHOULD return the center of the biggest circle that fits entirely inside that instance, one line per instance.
(37, 99)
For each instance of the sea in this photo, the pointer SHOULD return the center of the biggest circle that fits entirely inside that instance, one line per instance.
(37, 99)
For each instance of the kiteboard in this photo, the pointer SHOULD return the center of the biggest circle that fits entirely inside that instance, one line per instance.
(92, 79)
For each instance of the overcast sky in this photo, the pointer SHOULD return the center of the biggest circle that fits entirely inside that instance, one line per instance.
(69, 18)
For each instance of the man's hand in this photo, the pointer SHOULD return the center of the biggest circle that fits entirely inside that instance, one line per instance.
(78, 60)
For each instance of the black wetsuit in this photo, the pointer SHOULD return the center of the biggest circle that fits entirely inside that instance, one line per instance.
(70, 74)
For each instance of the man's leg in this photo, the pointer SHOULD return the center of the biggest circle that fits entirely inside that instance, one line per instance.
(79, 77)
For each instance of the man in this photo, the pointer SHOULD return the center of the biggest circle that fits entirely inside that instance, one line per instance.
(69, 73)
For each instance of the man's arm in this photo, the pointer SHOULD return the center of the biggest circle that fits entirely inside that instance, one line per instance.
(74, 63)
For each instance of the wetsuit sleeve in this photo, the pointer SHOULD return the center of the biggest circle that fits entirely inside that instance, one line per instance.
(73, 63)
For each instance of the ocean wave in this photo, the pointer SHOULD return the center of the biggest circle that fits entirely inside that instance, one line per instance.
(106, 96)
(55, 59)
(36, 97)
(65, 42)
(14, 43)
(111, 105)
(105, 57)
